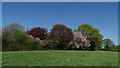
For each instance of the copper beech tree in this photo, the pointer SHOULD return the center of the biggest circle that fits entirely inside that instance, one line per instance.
(62, 35)
(38, 32)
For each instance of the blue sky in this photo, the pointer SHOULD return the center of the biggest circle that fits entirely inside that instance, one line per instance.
(101, 15)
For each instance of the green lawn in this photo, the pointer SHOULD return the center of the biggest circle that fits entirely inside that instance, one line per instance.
(60, 58)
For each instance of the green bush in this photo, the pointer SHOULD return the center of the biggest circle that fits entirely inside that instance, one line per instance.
(17, 41)
(8, 41)
(47, 45)
(13, 37)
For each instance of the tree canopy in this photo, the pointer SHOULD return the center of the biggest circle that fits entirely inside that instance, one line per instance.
(14, 27)
(61, 34)
(38, 32)
(107, 43)
(80, 41)
(86, 37)
(93, 35)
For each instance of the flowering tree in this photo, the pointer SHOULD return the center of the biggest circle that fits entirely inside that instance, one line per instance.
(92, 34)
(80, 40)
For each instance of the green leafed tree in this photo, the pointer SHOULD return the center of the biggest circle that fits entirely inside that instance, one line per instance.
(14, 38)
(93, 35)
(107, 43)
(14, 27)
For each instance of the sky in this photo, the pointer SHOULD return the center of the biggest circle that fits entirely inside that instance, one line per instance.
(100, 15)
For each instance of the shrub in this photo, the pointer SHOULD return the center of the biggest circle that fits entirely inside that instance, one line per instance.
(13, 37)
(7, 40)
(47, 45)
(14, 41)
(17, 41)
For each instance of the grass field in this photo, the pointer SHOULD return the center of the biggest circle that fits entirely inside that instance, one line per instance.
(60, 58)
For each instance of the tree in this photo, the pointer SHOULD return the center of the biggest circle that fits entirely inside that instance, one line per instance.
(14, 38)
(118, 47)
(92, 34)
(84, 29)
(107, 43)
(96, 42)
(38, 32)
(62, 35)
(7, 39)
(14, 27)
(80, 41)
(8, 36)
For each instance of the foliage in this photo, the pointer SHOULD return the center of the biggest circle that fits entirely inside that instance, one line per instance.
(48, 45)
(80, 41)
(84, 29)
(14, 27)
(7, 39)
(118, 48)
(42, 44)
(14, 38)
(96, 41)
(92, 34)
(113, 48)
(38, 32)
(18, 41)
(62, 35)
(14, 41)
(107, 43)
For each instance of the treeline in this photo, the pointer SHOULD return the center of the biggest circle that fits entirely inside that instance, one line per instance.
(60, 37)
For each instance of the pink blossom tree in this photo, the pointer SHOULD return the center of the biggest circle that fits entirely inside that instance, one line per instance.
(80, 40)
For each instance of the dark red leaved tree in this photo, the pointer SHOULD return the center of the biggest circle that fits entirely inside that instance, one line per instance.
(62, 35)
(38, 32)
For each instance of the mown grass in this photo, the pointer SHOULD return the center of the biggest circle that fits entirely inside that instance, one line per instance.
(60, 58)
